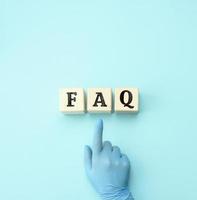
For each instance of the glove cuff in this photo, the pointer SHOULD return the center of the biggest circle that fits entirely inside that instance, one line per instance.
(116, 193)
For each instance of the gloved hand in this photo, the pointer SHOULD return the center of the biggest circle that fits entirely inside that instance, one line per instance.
(107, 168)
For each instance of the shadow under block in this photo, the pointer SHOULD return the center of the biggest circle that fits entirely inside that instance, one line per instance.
(99, 100)
(71, 100)
(126, 100)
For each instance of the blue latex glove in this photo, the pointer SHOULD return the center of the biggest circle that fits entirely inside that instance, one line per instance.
(107, 168)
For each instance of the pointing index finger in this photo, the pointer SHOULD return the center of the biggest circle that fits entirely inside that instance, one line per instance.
(98, 136)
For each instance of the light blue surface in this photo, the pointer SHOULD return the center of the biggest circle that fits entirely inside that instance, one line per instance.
(45, 45)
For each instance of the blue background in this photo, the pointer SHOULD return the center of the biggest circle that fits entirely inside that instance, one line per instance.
(45, 45)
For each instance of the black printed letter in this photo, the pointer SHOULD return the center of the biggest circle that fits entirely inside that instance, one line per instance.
(130, 98)
(99, 99)
(70, 98)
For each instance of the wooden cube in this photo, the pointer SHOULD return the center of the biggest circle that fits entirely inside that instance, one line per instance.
(99, 100)
(126, 100)
(71, 100)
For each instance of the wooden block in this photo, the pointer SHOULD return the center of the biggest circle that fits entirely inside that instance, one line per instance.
(126, 100)
(99, 100)
(71, 100)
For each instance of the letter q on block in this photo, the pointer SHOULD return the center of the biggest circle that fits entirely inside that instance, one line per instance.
(126, 100)
(71, 100)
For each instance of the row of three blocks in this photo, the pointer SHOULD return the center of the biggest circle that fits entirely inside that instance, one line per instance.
(99, 100)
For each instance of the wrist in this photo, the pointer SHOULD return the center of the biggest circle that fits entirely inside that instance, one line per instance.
(130, 197)
(116, 193)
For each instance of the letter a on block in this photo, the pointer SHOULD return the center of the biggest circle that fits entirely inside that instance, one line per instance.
(99, 100)
(126, 100)
(71, 100)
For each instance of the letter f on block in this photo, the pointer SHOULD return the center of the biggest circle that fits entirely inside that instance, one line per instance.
(71, 98)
